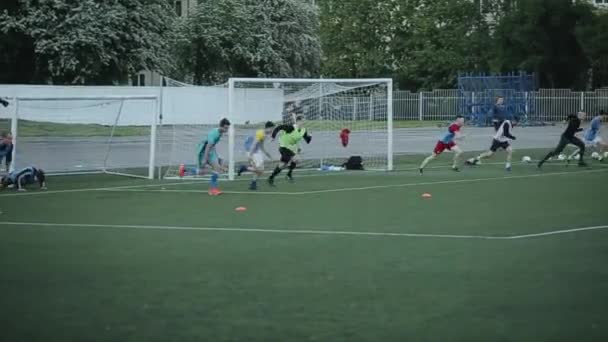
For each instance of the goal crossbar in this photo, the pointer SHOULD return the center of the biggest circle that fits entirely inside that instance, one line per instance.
(153, 126)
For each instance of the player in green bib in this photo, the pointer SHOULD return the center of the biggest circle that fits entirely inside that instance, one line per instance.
(289, 142)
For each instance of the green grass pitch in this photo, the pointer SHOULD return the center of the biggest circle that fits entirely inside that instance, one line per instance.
(335, 257)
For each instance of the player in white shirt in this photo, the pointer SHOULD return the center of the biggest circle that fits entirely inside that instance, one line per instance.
(502, 140)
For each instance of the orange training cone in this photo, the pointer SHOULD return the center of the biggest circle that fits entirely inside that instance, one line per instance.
(241, 209)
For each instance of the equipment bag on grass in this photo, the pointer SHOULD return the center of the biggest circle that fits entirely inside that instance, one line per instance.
(354, 163)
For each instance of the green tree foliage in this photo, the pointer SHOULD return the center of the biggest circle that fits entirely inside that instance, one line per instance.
(17, 60)
(421, 43)
(540, 36)
(248, 38)
(594, 40)
(92, 41)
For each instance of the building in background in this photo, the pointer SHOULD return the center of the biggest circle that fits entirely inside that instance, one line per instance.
(144, 78)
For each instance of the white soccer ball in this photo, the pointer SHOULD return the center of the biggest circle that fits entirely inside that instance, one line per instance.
(526, 159)
(605, 155)
(595, 156)
(561, 157)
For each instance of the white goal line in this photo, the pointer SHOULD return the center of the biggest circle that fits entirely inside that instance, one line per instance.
(374, 187)
(141, 187)
(302, 231)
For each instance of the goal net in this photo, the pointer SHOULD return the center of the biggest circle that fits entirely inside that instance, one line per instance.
(85, 134)
(361, 107)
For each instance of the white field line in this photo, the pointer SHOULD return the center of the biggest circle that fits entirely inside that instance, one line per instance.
(374, 187)
(300, 231)
(50, 192)
(203, 181)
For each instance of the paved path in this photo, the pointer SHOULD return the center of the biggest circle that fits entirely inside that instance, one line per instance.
(73, 154)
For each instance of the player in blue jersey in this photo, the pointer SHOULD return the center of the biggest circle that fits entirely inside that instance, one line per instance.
(254, 145)
(448, 142)
(207, 155)
(6, 149)
(23, 177)
(592, 137)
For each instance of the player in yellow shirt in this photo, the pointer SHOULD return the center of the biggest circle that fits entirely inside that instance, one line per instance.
(254, 145)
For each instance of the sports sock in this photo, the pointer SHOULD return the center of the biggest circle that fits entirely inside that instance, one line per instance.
(426, 161)
(508, 165)
(276, 171)
(291, 167)
(213, 182)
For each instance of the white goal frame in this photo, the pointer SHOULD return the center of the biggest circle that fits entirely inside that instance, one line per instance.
(231, 107)
(153, 127)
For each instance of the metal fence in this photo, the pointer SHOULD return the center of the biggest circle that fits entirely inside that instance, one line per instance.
(546, 105)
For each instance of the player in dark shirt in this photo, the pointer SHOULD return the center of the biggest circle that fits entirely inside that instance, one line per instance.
(569, 137)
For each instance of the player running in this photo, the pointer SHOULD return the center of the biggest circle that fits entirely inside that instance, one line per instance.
(448, 142)
(207, 155)
(289, 142)
(569, 137)
(501, 140)
(593, 137)
(256, 150)
(23, 177)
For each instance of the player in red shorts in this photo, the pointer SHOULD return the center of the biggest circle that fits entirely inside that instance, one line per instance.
(448, 143)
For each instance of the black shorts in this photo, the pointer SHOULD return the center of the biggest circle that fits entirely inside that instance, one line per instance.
(497, 145)
(286, 154)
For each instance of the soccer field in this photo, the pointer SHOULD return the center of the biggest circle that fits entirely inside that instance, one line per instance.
(492, 256)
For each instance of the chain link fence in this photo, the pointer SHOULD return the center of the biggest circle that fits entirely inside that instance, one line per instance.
(546, 105)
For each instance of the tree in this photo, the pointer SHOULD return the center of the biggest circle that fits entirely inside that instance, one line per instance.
(540, 36)
(441, 38)
(17, 60)
(594, 40)
(420, 43)
(248, 38)
(93, 41)
(356, 37)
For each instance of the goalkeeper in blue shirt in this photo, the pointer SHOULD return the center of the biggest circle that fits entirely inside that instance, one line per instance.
(23, 177)
(592, 137)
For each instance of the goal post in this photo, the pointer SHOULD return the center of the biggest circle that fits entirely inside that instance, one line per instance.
(86, 134)
(364, 107)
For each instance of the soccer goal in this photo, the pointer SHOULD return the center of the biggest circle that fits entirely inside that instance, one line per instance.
(86, 134)
(361, 107)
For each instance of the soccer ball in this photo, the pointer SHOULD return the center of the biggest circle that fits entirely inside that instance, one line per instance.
(605, 155)
(526, 159)
(561, 157)
(597, 156)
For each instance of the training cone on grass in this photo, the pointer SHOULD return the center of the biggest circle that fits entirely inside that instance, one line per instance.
(426, 195)
(241, 209)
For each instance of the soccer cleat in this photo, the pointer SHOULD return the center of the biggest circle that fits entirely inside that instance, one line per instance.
(508, 169)
(290, 178)
(455, 169)
(253, 186)
(421, 170)
(540, 165)
(215, 192)
(271, 181)
(242, 169)
(471, 162)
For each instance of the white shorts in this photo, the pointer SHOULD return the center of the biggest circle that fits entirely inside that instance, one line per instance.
(598, 140)
(257, 160)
